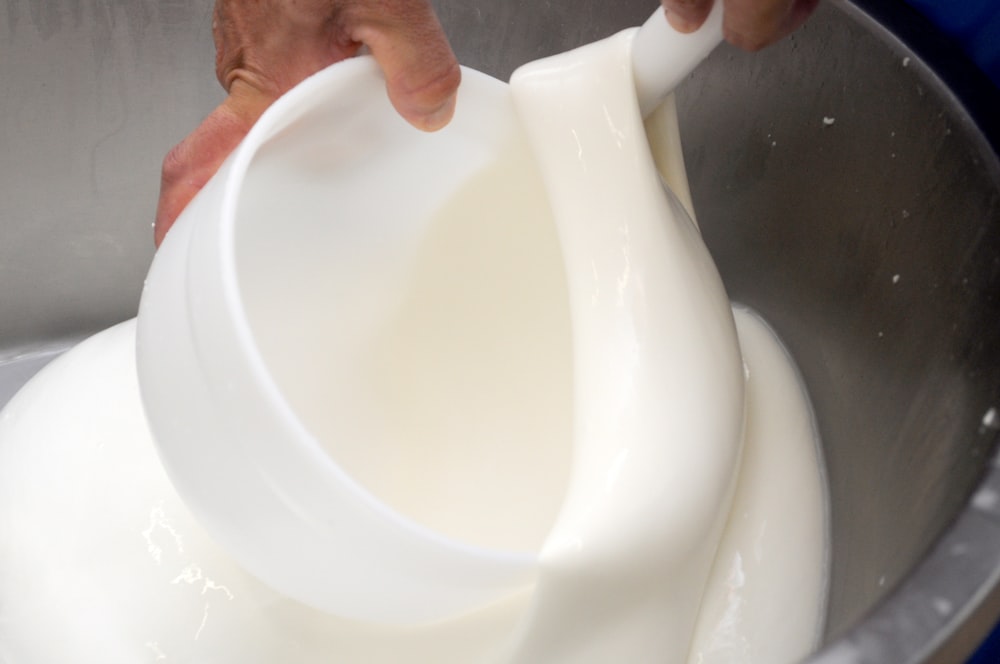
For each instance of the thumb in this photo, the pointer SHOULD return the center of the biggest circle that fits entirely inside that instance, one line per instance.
(421, 72)
(687, 15)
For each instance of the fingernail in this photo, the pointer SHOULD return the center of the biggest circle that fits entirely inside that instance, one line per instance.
(682, 24)
(439, 117)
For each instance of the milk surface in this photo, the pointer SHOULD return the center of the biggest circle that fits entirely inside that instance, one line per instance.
(101, 562)
(674, 539)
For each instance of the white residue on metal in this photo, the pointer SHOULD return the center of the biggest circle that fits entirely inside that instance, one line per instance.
(943, 606)
(985, 499)
(895, 278)
(991, 420)
(906, 62)
(827, 121)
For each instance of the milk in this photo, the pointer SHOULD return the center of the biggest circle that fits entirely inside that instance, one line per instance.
(658, 388)
(100, 561)
(765, 595)
(97, 547)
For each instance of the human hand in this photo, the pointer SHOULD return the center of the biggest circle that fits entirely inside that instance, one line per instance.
(265, 47)
(748, 24)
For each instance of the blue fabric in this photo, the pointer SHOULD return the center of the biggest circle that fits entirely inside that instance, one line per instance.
(975, 24)
(989, 651)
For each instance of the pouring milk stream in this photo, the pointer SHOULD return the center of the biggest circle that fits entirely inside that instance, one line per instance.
(646, 559)
(658, 391)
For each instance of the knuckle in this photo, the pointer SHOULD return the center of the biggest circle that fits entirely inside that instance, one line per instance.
(175, 164)
(440, 84)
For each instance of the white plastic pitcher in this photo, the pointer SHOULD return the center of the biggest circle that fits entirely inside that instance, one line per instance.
(230, 438)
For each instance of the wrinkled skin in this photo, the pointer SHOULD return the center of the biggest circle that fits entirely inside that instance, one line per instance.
(265, 47)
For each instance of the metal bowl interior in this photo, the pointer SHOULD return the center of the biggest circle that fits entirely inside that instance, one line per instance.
(846, 180)
(848, 195)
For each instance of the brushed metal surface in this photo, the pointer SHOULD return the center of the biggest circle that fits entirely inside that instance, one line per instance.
(94, 93)
(842, 187)
(861, 215)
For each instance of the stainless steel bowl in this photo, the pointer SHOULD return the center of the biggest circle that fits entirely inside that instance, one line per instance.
(848, 185)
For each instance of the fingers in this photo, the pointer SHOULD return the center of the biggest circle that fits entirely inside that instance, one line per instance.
(754, 24)
(687, 15)
(190, 165)
(748, 24)
(421, 72)
(265, 47)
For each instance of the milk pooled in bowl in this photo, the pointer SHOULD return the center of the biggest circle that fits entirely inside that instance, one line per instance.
(99, 549)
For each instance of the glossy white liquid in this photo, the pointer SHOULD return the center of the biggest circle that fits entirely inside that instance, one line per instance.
(98, 549)
(101, 562)
(647, 562)
(765, 597)
(658, 385)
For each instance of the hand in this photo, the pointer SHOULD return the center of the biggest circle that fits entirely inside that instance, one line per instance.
(265, 47)
(748, 24)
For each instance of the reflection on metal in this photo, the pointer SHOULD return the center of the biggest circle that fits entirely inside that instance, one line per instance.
(809, 222)
(94, 94)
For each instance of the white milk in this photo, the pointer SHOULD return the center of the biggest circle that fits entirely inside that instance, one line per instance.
(765, 597)
(658, 391)
(101, 562)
